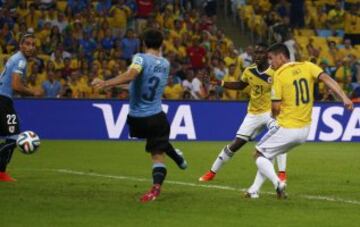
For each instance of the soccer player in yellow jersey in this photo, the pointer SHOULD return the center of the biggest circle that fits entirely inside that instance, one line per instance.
(292, 103)
(259, 77)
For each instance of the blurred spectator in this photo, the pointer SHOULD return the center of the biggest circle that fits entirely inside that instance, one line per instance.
(328, 69)
(246, 57)
(336, 16)
(45, 4)
(197, 54)
(173, 91)
(197, 88)
(348, 49)
(187, 82)
(312, 50)
(231, 77)
(335, 55)
(281, 29)
(58, 60)
(130, 45)
(219, 69)
(66, 70)
(88, 45)
(60, 22)
(32, 17)
(132, 5)
(343, 74)
(77, 6)
(355, 69)
(51, 86)
(144, 9)
(108, 42)
(119, 13)
(61, 52)
(103, 6)
(292, 46)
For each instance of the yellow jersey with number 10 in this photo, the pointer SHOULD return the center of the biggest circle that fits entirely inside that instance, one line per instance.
(260, 88)
(294, 86)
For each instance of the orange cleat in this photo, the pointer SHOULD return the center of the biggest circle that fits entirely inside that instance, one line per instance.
(152, 194)
(6, 177)
(282, 176)
(208, 176)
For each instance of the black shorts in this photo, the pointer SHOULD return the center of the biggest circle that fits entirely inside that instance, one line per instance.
(9, 122)
(155, 129)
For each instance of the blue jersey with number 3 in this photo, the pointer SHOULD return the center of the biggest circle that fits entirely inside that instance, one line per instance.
(147, 89)
(15, 64)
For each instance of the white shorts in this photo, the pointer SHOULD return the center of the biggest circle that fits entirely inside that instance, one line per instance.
(280, 140)
(252, 125)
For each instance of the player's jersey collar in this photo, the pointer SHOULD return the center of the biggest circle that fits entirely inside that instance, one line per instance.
(261, 75)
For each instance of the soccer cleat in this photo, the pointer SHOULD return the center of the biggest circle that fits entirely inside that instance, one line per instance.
(282, 176)
(152, 194)
(6, 177)
(251, 195)
(208, 176)
(280, 190)
(183, 165)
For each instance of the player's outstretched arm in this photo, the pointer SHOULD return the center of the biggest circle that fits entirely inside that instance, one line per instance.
(334, 86)
(236, 85)
(123, 78)
(19, 87)
(275, 108)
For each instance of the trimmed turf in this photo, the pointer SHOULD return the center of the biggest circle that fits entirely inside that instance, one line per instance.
(45, 196)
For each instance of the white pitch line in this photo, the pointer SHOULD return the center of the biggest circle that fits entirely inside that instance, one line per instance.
(220, 187)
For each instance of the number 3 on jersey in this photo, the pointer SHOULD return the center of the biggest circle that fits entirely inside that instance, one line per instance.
(153, 83)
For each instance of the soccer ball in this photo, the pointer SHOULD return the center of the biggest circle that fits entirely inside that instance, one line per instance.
(28, 142)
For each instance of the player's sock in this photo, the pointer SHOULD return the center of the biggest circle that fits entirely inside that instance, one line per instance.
(158, 173)
(258, 182)
(224, 156)
(266, 168)
(281, 162)
(178, 159)
(6, 152)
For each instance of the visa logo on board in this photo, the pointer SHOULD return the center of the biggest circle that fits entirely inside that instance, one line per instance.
(182, 124)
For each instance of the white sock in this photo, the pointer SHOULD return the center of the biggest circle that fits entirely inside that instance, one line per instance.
(266, 168)
(281, 162)
(224, 156)
(258, 182)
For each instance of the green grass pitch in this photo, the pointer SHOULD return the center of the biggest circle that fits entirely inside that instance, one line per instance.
(98, 183)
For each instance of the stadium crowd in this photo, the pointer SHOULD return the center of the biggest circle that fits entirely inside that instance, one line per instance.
(78, 40)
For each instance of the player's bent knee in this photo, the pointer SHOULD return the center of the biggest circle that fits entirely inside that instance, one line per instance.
(237, 144)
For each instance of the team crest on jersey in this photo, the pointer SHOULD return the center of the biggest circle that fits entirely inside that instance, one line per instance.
(11, 129)
(138, 60)
(269, 80)
(22, 64)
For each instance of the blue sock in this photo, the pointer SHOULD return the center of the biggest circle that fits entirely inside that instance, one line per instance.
(158, 173)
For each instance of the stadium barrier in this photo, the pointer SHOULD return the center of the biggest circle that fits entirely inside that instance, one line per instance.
(190, 120)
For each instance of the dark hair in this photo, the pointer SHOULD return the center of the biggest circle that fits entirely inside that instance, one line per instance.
(263, 45)
(25, 36)
(153, 38)
(279, 48)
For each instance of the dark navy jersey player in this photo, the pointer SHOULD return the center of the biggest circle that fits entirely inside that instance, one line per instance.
(148, 74)
(11, 80)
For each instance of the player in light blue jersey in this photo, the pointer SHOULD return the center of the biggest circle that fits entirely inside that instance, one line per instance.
(148, 74)
(11, 79)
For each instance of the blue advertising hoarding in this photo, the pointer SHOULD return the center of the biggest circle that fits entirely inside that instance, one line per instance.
(190, 120)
